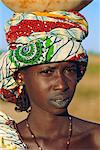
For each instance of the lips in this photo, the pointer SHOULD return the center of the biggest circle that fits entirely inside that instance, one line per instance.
(60, 101)
(60, 98)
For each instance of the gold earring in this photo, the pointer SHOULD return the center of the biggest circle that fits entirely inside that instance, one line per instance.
(19, 79)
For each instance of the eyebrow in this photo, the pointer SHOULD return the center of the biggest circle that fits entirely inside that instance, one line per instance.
(48, 67)
(73, 65)
(55, 67)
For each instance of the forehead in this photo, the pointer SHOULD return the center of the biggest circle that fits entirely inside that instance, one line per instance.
(52, 65)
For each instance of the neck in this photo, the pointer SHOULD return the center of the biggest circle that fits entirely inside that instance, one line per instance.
(46, 124)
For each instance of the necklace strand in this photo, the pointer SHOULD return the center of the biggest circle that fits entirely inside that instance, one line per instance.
(68, 137)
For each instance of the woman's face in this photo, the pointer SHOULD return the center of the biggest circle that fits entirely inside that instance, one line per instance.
(51, 86)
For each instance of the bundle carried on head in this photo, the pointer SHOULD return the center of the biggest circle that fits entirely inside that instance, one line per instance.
(40, 38)
(44, 5)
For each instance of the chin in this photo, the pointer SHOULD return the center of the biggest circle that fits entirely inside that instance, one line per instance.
(58, 111)
(61, 112)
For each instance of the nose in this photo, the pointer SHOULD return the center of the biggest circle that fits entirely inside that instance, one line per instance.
(61, 82)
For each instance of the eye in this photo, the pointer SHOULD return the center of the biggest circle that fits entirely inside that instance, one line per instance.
(70, 70)
(47, 71)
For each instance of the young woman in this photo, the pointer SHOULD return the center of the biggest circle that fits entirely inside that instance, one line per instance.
(40, 72)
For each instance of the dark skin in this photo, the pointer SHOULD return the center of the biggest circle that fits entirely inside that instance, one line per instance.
(48, 119)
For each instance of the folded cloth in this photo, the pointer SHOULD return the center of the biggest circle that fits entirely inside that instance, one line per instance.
(9, 137)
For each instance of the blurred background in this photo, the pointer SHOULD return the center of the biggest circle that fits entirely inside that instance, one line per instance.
(86, 101)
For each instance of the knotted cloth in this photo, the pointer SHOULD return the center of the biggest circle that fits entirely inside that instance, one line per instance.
(40, 38)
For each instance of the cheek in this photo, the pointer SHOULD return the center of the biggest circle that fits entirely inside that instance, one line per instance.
(72, 86)
(37, 89)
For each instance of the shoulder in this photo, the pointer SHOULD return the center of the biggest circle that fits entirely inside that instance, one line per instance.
(82, 126)
(87, 131)
(96, 136)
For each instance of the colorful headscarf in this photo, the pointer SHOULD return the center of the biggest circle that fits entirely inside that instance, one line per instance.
(40, 38)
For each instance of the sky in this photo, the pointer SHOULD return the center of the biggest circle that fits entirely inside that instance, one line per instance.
(91, 13)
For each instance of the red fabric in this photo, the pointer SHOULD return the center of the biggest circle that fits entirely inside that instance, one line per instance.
(27, 27)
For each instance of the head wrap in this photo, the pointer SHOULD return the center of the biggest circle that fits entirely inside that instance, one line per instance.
(40, 38)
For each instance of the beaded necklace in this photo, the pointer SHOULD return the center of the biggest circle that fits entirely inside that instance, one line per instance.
(68, 137)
